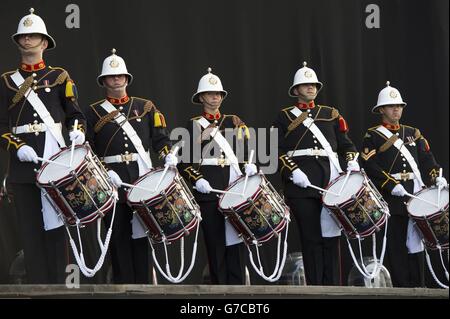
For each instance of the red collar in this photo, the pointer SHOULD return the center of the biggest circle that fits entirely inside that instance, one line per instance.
(305, 106)
(212, 117)
(120, 101)
(392, 127)
(34, 67)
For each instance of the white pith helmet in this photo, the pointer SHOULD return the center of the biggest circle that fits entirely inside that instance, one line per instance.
(388, 96)
(114, 65)
(30, 24)
(208, 83)
(304, 75)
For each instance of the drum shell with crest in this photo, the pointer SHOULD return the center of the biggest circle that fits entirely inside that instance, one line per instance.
(81, 193)
(167, 213)
(359, 209)
(432, 221)
(258, 215)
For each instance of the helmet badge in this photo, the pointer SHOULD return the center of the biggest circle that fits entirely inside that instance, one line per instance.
(393, 94)
(114, 63)
(28, 22)
(308, 74)
(212, 80)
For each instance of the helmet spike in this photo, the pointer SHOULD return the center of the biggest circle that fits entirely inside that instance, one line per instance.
(113, 51)
(388, 83)
(209, 70)
(305, 64)
(31, 10)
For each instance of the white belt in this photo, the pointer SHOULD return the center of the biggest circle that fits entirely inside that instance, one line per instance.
(121, 158)
(215, 162)
(403, 176)
(33, 128)
(308, 152)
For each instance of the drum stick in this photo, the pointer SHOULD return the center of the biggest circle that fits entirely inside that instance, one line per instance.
(252, 152)
(347, 176)
(72, 149)
(52, 162)
(222, 192)
(138, 187)
(423, 200)
(439, 189)
(173, 151)
(323, 190)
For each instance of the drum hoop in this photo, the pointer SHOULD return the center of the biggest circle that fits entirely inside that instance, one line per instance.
(347, 202)
(241, 204)
(67, 177)
(408, 203)
(155, 198)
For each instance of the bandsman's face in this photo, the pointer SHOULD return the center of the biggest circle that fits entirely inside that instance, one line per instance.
(115, 82)
(306, 91)
(392, 113)
(32, 43)
(211, 99)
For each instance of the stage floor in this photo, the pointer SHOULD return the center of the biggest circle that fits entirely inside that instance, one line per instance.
(217, 292)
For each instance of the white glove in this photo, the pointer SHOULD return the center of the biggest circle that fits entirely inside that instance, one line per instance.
(353, 166)
(300, 179)
(250, 169)
(115, 178)
(399, 191)
(27, 154)
(441, 182)
(77, 136)
(202, 186)
(171, 159)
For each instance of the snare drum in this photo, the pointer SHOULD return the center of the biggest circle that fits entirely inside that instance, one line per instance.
(259, 214)
(81, 193)
(167, 213)
(431, 220)
(360, 209)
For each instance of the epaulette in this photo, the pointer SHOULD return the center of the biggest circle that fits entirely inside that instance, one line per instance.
(373, 128)
(195, 118)
(158, 118)
(97, 103)
(8, 73)
(288, 113)
(140, 99)
(287, 108)
(334, 113)
(148, 107)
(57, 68)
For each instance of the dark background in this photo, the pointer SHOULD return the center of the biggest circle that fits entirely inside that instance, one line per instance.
(255, 47)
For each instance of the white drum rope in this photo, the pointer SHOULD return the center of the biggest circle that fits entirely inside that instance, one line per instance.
(430, 267)
(362, 269)
(168, 275)
(442, 261)
(79, 257)
(278, 267)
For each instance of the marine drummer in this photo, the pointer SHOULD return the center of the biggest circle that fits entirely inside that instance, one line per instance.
(312, 139)
(214, 164)
(121, 130)
(398, 159)
(38, 106)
